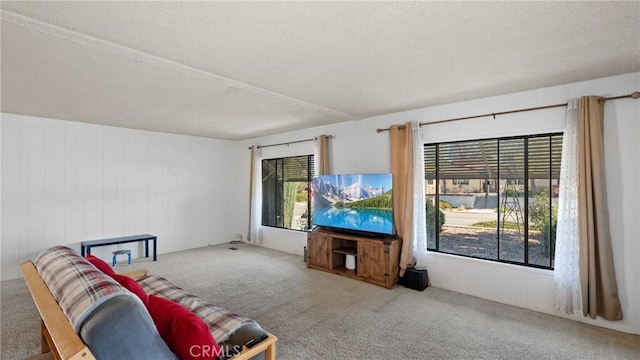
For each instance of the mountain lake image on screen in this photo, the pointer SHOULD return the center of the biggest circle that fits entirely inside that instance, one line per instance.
(360, 202)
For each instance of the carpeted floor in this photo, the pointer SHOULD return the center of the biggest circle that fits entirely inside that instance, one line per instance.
(317, 315)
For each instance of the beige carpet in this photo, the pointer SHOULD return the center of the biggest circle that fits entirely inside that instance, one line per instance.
(322, 316)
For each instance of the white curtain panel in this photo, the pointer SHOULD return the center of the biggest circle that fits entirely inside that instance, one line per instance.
(566, 269)
(419, 213)
(256, 198)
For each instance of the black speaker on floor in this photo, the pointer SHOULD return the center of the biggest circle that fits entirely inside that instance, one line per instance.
(415, 279)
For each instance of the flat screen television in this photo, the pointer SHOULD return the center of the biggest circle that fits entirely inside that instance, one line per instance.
(359, 203)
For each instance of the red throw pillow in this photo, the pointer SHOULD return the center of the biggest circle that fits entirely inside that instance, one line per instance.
(132, 286)
(186, 334)
(100, 264)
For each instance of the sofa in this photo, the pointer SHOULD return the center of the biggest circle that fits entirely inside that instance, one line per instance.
(90, 312)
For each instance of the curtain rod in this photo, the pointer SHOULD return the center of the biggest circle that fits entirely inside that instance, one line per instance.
(633, 95)
(289, 142)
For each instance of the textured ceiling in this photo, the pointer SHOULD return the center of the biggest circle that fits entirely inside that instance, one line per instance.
(235, 70)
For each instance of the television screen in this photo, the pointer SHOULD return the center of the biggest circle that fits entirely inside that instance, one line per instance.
(354, 202)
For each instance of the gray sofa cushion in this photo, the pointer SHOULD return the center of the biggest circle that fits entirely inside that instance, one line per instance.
(121, 328)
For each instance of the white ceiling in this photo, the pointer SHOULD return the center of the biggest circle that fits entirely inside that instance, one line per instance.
(237, 70)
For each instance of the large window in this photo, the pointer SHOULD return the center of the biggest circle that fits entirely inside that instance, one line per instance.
(286, 201)
(496, 198)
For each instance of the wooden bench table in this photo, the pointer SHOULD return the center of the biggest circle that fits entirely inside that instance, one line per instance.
(85, 246)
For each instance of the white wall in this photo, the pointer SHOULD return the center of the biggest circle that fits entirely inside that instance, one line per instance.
(358, 148)
(64, 182)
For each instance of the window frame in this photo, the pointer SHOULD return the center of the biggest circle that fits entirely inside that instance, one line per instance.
(310, 163)
(436, 197)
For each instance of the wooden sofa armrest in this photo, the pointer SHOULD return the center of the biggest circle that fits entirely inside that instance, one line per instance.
(58, 335)
(137, 274)
(267, 345)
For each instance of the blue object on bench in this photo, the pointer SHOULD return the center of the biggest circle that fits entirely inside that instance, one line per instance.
(121, 252)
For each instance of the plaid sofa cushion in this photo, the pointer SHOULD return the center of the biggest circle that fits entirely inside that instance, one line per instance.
(222, 323)
(77, 285)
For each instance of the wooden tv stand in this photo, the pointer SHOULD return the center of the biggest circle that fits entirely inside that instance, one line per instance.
(377, 259)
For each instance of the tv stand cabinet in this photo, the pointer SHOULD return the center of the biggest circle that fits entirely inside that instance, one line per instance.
(377, 259)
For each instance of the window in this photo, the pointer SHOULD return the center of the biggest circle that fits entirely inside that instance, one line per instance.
(286, 201)
(507, 209)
